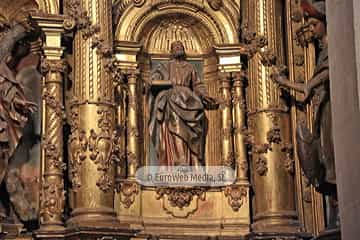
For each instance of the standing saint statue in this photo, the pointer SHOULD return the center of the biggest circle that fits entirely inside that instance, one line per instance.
(19, 83)
(178, 123)
(315, 149)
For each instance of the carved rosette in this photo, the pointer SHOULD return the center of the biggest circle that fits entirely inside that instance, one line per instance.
(236, 196)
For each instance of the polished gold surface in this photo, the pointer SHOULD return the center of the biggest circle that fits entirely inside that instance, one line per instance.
(101, 99)
(53, 67)
(91, 144)
(271, 166)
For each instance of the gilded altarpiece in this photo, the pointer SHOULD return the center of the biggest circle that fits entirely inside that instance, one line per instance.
(95, 67)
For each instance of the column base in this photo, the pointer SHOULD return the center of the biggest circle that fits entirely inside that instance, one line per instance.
(279, 222)
(10, 230)
(88, 233)
(89, 217)
(329, 234)
(279, 235)
(46, 232)
(95, 233)
(52, 227)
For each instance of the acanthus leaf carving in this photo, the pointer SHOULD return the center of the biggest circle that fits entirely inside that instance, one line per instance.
(52, 155)
(253, 42)
(78, 18)
(180, 197)
(289, 163)
(274, 135)
(128, 191)
(236, 196)
(52, 199)
(53, 103)
(261, 165)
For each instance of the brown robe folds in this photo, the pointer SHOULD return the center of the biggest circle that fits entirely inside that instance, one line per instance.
(178, 122)
(315, 149)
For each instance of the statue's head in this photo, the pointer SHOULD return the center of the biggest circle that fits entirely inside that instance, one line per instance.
(19, 51)
(178, 50)
(317, 14)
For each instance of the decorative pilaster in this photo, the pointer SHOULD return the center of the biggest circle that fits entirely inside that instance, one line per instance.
(234, 149)
(240, 129)
(52, 198)
(272, 167)
(92, 143)
(227, 122)
(128, 196)
(53, 194)
(133, 129)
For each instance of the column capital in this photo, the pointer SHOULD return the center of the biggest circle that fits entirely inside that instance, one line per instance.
(53, 28)
(229, 57)
(53, 65)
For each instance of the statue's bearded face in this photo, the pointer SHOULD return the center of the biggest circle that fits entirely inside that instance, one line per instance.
(177, 50)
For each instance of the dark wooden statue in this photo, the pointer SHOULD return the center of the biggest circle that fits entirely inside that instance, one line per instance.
(18, 68)
(178, 121)
(315, 148)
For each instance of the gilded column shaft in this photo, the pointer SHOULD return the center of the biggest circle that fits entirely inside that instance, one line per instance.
(239, 115)
(53, 194)
(122, 125)
(272, 165)
(52, 197)
(133, 132)
(91, 145)
(226, 120)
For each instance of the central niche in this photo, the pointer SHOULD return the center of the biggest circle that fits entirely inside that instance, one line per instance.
(198, 42)
(162, 31)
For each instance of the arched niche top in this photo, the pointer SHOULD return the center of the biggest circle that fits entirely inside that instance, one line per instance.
(135, 21)
(160, 32)
(49, 6)
(11, 9)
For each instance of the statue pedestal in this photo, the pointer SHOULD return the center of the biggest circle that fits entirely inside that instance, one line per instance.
(89, 233)
(191, 213)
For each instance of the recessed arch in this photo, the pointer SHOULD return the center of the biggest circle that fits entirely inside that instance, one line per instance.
(134, 21)
(49, 6)
(11, 9)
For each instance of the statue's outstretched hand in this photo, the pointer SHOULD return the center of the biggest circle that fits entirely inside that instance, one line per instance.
(279, 75)
(25, 106)
(210, 102)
